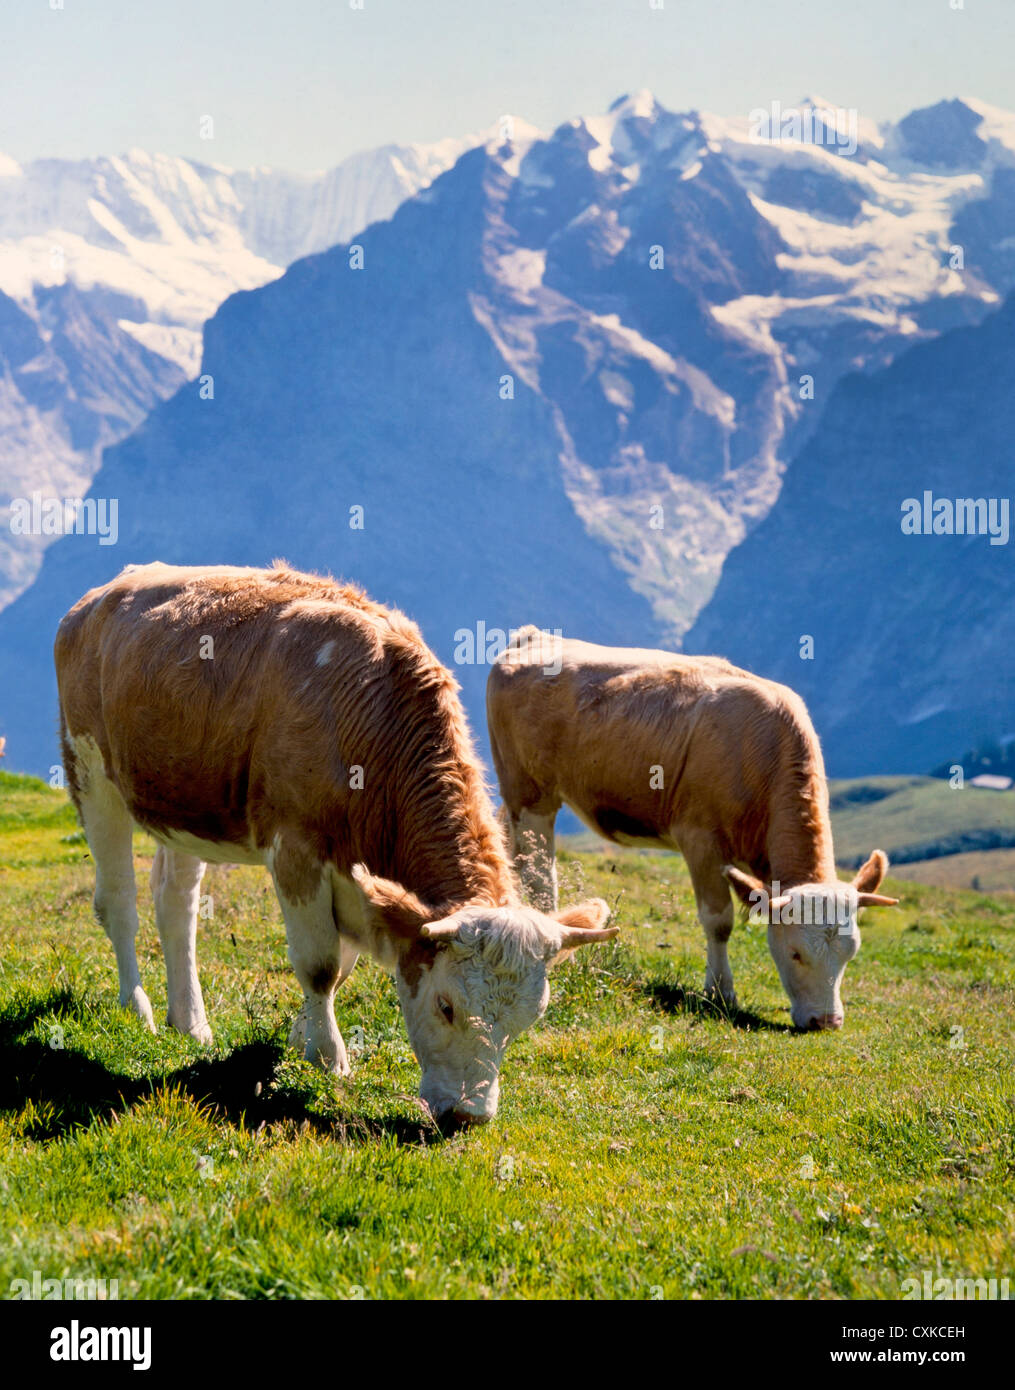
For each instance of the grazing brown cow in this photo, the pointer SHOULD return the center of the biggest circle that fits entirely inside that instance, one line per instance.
(269, 717)
(688, 753)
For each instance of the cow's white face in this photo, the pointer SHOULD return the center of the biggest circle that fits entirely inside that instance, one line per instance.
(813, 934)
(474, 982)
(813, 937)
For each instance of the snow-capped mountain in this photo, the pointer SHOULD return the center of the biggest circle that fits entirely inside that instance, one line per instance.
(168, 239)
(714, 285)
(570, 370)
(145, 247)
(904, 237)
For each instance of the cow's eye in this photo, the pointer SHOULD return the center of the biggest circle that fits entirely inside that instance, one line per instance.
(797, 955)
(446, 1008)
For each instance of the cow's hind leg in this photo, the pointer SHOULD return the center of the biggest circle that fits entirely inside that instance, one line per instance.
(320, 956)
(533, 846)
(176, 887)
(715, 912)
(109, 829)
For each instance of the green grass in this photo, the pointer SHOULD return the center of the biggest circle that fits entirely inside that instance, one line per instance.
(646, 1144)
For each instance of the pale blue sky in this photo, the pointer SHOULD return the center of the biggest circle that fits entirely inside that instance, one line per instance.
(302, 83)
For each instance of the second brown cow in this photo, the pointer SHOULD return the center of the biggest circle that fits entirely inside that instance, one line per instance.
(689, 753)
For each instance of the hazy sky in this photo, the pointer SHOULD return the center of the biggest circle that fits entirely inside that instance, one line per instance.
(302, 83)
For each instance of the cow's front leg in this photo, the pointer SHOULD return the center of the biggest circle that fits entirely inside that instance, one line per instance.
(534, 850)
(718, 975)
(320, 956)
(715, 912)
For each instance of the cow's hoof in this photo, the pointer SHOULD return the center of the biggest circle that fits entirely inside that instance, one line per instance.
(332, 1066)
(199, 1031)
(139, 1004)
(724, 998)
(329, 1054)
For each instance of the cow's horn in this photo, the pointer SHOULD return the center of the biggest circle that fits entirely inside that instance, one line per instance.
(439, 931)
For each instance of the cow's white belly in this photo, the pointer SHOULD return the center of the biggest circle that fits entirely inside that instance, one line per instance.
(211, 851)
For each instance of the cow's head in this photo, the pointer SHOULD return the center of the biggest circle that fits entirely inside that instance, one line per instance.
(471, 982)
(813, 934)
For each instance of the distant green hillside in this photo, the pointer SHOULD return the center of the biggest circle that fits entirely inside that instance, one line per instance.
(915, 818)
(987, 871)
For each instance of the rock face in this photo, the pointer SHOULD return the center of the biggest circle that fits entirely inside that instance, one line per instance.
(913, 634)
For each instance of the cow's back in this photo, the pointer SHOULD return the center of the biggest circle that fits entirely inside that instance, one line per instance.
(593, 727)
(637, 742)
(222, 700)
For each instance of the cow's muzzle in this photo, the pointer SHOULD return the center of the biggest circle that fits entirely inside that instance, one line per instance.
(820, 1021)
(453, 1121)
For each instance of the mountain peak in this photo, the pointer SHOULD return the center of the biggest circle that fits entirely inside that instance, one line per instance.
(995, 123)
(641, 103)
(945, 135)
(509, 130)
(817, 103)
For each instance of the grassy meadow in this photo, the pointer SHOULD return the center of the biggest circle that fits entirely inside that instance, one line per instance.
(647, 1145)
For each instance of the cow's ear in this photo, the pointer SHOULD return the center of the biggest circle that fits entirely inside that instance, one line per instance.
(750, 890)
(580, 926)
(377, 905)
(868, 877)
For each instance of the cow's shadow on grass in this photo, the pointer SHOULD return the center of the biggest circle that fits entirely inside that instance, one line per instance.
(674, 998)
(68, 1089)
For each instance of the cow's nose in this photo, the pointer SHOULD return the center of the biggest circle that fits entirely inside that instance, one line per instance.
(464, 1118)
(819, 1021)
(451, 1121)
